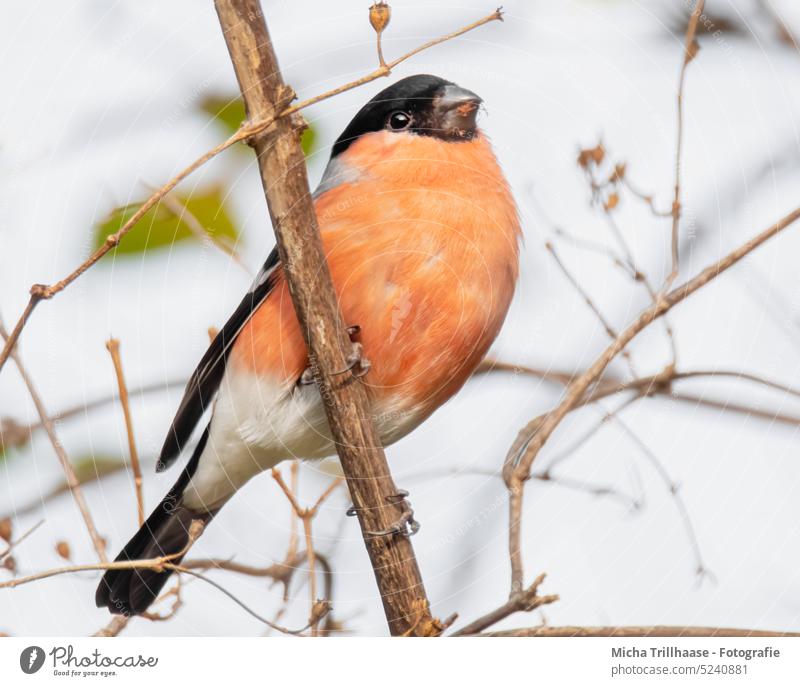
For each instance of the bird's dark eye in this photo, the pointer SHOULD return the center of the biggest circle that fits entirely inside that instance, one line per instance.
(399, 120)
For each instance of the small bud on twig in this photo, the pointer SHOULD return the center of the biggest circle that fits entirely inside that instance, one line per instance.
(62, 548)
(589, 156)
(612, 202)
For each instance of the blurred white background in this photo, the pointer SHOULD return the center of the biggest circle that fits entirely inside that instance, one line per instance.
(101, 103)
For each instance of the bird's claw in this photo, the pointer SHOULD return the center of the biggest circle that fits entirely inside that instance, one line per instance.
(405, 525)
(307, 377)
(356, 362)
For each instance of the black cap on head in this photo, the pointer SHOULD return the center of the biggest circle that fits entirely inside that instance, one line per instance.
(422, 104)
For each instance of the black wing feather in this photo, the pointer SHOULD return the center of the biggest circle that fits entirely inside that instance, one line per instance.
(205, 380)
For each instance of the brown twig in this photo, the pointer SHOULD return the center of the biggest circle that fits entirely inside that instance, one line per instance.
(283, 174)
(306, 516)
(320, 610)
(739, 408)
(532, 438)
(640, 631)
(160, 564)
(586, 436)
(281, 572)
(597, 490)
(524, 601)
(66, 465)
(590, 160)
(646, 198)
(36, 503)
(112, 345)
(12, 545)
(14, 434)
(610, 331)
(278, 571)
(642, 278)
(114, 627)
(291, 550)
(176, 605)
(660, 384)
(655, 461)
(784, 33)
(249, 129)
(674, 490)
(691, 47)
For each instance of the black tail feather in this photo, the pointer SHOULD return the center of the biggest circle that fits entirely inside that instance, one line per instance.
(165, 532)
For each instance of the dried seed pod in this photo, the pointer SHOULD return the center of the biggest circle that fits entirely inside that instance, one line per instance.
(379, 15)
(5, 529)
(612, 202)
(10, 564)
(62, 548)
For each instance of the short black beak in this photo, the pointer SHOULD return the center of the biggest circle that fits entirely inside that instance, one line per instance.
(457, 108)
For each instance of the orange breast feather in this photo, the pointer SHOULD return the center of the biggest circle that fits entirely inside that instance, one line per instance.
(423, 251)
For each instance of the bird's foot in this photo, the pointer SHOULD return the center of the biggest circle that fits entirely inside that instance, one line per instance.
(307, 378)
(405, 525)
(356, 362)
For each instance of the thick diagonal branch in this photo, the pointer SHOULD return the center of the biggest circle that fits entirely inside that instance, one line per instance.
(283, 174)
(532, 438)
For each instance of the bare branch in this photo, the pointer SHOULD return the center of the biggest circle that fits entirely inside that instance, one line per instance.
(784, 33)
(674, 490)
(524, 601)
(14, 434)
(691, 48)
(306, 515)
(610, 331)
(640, 631)
(66, 465)
(532, 438)
(660, 384)
(589, 160)
(114, 627)
(320, 610)
(112, 345)
(12, 545)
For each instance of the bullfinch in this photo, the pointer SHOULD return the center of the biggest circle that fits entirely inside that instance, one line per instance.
(421, 233)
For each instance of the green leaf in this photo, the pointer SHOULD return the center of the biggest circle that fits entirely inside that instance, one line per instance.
(89, 468)
(160, 226)
(229, 113)
(308, 139)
